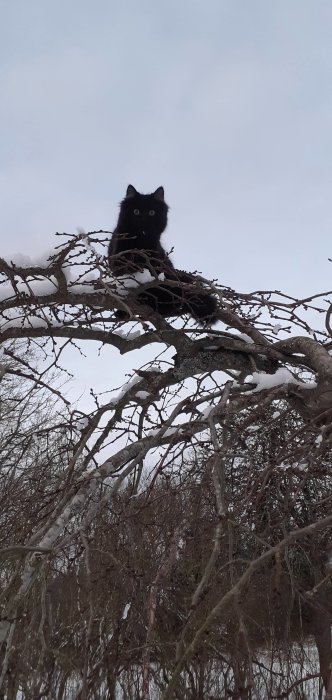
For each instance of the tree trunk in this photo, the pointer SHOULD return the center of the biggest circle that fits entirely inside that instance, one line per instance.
(322, 634)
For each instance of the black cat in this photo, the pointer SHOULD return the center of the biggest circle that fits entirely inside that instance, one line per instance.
(135, 245)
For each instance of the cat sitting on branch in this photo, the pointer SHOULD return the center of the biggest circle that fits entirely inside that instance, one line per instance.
(135, 245)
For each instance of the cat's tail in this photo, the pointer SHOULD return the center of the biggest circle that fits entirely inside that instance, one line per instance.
(200, 304)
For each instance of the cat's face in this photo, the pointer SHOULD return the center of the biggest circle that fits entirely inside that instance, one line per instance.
(144, 212)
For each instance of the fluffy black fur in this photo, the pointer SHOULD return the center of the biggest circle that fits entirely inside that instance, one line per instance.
(135, 245)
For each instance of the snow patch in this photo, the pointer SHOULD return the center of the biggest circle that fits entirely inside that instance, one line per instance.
(283, 467)
(126, 611)
(33, 287)
(127, 335)
(281, 376)
(31, 322)
(142, 394)
(82, 423)
(124, 390)
(83, 289)
(23, 260)
(124, 283)
(88, 245)
(245, 337)
(205, 414)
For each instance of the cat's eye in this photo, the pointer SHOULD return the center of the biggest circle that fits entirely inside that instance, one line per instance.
(152, 212)
(136, 212)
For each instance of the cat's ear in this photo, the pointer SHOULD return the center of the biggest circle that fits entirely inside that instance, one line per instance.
(131, 192)
(159, 194)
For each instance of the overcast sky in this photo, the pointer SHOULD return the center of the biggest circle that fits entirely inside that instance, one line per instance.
(226, 103)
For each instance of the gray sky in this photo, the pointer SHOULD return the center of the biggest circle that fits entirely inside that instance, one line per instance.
(227, 103)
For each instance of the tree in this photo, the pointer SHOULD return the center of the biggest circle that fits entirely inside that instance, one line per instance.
(176, 579)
